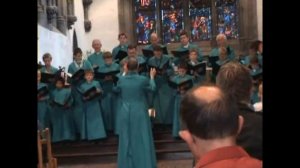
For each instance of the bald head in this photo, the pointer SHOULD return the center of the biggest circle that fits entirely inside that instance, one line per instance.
(207, 93)
(221, 40)
(154, 39)
(96, 44)
(208, 114)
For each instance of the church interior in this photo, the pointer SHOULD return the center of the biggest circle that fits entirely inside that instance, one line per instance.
(113, 28)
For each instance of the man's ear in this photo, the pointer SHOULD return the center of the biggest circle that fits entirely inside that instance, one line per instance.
(186, 136)
(241, 124)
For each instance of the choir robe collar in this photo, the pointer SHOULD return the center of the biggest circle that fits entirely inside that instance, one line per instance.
(132, 73)
(98, 53)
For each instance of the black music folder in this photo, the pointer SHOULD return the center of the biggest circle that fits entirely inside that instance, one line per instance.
(181, 54)
(91, 93)
(78, 75)
(185, 85)
(199, 68)
(213, 60)
(147, 53)
(165, 50)
(62, 104)
(102, 75)
(143, 67)
(159, 71)
(48, 78)
(120, 56)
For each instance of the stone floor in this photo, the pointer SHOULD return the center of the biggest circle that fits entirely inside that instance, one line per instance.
(160, 164)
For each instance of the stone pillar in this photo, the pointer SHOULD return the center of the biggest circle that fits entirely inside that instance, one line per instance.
(61, 17)
(127, 23)
(247, 23)
(40, 11)
(51, 12)
(70, 13)
(87, 22)
(214, 25)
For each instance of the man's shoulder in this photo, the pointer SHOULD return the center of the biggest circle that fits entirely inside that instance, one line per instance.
(245, 162)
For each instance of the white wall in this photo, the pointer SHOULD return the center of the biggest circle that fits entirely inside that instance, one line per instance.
(57, 44)
(260, 19)
(61, 46)
(79, 27)
(105, 24)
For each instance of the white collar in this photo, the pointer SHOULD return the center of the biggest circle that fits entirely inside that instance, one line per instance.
(78, 66)
(186, 46)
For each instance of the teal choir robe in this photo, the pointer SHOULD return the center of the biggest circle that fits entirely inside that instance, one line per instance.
(117, 49)
(118, 104)
(92, 121)
(215, 52)
(150, 47)
(61, 115)
(178, 96)
(246, 60)
(254, 94)
(191, 46)
(136, 146)
(141, 60)
(43, 109)
(78, 104)
(108, 100)
(96, 59)
(162, 99)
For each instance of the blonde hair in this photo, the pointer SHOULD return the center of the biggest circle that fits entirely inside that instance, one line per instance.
(221, 36)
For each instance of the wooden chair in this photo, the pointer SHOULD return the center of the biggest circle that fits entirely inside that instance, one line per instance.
(42, 142)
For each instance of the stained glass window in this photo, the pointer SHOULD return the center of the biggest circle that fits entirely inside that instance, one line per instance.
(172, 20)
(227, 21)
(170, 17)
(200, 24)
(145, 20)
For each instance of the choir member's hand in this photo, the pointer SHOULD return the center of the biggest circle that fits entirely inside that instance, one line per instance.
(152, 73)
(98, 90)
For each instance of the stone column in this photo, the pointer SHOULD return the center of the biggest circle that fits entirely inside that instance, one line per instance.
(51, 12)
(61, 18)
(214, 25)
(40, 11)
(87, 22)
(70, 13)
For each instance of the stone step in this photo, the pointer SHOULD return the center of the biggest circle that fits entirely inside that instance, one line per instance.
(100, 159)
(105, 151)
(70, 151)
